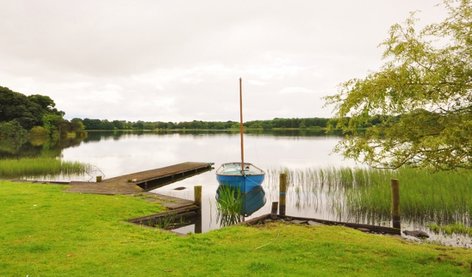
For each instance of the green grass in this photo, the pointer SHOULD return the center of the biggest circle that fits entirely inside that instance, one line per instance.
(48, 232)
(39, 167)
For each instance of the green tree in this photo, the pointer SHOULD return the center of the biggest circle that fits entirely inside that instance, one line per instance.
(44, 104)
(54, 124)
(27, 110)
(92, 124)
(38, 135)
(12, 136)
(77, 125)
(421, 97)
(16, 106)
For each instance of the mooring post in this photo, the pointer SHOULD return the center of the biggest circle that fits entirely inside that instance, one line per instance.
(98, 179)
(282, 193)
(395, 203)
(197, 190)
(273, 211)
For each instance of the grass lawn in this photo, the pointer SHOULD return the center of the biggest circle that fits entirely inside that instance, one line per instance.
(48, 232)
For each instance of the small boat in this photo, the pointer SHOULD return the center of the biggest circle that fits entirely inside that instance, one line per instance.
(231, 174)
(244, 176)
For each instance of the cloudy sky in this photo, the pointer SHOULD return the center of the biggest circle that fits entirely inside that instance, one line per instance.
(180, 60)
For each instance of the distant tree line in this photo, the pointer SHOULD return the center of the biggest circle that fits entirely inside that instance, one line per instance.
(276, 123)
(289, 123)
(104, 124)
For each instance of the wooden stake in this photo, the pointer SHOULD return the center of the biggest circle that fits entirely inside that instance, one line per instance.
(241, 125)
(197, 190)
(395, 204)
(273, 212)
(282, 193)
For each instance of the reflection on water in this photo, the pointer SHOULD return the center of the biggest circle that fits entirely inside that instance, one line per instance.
(234, 205)
(36, 147)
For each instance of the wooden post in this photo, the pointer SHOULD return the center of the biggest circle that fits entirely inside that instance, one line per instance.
(198, 201)
(197, 190)
(395, 204)
(98, 179)
(282, 193)
(273, 212)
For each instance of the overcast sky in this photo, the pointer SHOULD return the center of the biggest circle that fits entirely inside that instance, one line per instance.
(181, 60)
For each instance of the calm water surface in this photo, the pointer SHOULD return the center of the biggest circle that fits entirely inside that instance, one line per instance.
(117, 155)
(114, 154)
(132, 152)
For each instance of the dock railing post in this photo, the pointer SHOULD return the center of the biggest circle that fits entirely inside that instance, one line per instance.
(282, 193)
(197, 190)
(395, 204)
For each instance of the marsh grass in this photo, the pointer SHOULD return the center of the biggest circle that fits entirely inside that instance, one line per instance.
(229, 204)
(425, 196)
(40, 167)
(363, 194)
(450, 229)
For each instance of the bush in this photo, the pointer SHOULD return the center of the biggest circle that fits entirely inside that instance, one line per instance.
(38, 135)
(12, 136)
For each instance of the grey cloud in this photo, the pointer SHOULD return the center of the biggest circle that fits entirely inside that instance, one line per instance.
(180, 60)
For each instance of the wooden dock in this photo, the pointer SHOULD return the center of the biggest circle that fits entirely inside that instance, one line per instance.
(141, 181)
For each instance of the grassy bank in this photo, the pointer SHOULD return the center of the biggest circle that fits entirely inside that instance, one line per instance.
(39, 167)
(47, 232)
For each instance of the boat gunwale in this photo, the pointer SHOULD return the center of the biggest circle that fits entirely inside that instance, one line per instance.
(261, 172)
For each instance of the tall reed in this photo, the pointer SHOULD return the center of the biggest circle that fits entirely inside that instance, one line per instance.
(425, 196)
(450, 229)
(40, 167)
(363, 194)
(230, 205)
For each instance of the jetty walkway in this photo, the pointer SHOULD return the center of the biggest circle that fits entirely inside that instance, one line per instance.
(143, 181)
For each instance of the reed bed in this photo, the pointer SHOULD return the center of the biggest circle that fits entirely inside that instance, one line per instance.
(364, 195)
(450, 229)
(40, 167)
(425, 196)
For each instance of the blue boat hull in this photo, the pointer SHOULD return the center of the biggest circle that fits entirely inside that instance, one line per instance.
(244, 183)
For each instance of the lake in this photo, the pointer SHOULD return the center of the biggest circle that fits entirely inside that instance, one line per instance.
(130, 152)
(118, 153)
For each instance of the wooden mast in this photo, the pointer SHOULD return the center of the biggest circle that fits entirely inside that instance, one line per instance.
(241, 126)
